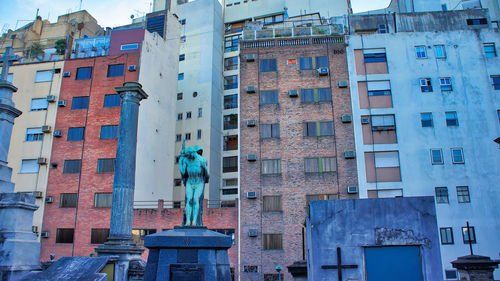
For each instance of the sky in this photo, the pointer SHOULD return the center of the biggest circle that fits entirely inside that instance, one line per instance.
(16, 13)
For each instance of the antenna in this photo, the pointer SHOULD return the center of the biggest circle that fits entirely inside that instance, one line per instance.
(80, 5)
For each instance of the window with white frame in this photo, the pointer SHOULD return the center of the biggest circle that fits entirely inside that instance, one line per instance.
(441, 195)
(383, 123)
(320, 165)
(44, 75)
(425, 85)
(437, 156)
(29, 166)
(426, 119)
(378, 88)
(457, 156)
(34, 134)
(445, 84)
(463, 195)
(439, 51)
(420, 52)
(271, 166)
(451, 119)
(39, 104)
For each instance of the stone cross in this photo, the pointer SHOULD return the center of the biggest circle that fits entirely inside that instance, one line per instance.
(7, 58)
(339, 266)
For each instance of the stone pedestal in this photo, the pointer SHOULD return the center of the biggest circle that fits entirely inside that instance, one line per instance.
(475, 268)
(188, 253)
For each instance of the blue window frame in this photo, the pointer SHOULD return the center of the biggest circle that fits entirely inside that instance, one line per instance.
(112, 100)
(126, 47)
(80, 103)
(269, 97)
(268, 65)
(83, 73)
(116, 70)
(76, 134)
(109, 132)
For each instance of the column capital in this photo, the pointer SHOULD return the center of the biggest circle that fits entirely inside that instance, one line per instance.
(8, 85)
(134, 88)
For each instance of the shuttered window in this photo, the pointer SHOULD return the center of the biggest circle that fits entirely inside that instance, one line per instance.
(271, 203)
(68, 200)
(106, 165)
(103, 200)
(272, 241)
(72, 166)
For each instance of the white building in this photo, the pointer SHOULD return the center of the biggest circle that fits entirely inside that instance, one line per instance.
(426, 105)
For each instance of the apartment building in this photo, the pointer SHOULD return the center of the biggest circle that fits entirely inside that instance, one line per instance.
(426, 111)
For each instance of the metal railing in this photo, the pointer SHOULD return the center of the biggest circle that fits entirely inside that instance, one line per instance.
(290, 32)
(169, 204)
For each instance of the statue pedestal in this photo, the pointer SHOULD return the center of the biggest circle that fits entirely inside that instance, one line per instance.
(188, 253)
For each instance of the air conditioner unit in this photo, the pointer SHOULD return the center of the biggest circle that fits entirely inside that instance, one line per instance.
(61, 103)
(38, 194)
(49, 199)
(365, 120)
(42, 160)
(58, 134)
(67, 74)
(251, 194)
(250, 89)
(322, 71)
(34, 228)
(352, 189)
(293, 93)
(346, 118)
(44, 234)
(342, 84)
(251, 123)
(252, 157)
(46, 128)
(349, 154)
(250, 57)
(253, 233)
(51, 98)
(132, 67)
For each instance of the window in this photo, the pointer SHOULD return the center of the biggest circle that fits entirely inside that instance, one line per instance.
(426, 120)
(271, 203)
(198, 134)
(319, 165)
(231, 43)
(382, 28)
(230, 143)
(305, 63)
(270, 167)
(375, 56)
(44, 76)
(230, 164)
(200, 112)
(116, 70)
(231, 63)
(439, 52)
(383, 123)
(269, 97)
(65, 235)
(182, 21)
(316, 95)
(496, 81)
(230, 121)
(469, 235)
(177, 182)
(477, 21)
(268, 65)
(72, 166)
(183, 39)
(451, 118)
(230, 101)
(446, 235)
(437, 157)
(457, 156)
(68, 200)
(179, 116)
(230, 82)
(103, 200)
(109, 132)
(83, 73)
(450, 274)
(229, 232)
(76, 134)
(425, 85)
(321, 61)
(80, 103)
(230, 191)
(445, 84)
(99, 235)
(316, 129)
(180, 76)
(182, 57)
(463, 195)
(272, 241)
(29, 166)
(378, 88)
(188, 115)
(441, 195)
(39, 104)
(112, 100)
(126, 47)
(187, 136)
(178, 138)
(34, 134)
(179, 96)
(270, 131)
(490, 50)
(106, 165)
(139, 234)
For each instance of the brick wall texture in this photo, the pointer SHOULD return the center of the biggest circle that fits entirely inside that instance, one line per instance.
(293, 184)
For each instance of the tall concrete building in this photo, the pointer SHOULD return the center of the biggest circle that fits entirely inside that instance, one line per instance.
(426, 111)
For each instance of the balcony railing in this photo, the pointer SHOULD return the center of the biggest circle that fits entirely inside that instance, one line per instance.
(287, 32)
(91, 47)
(165, 204)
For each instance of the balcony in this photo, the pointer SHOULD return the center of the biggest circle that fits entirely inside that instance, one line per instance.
(91, 47)
(292, 32)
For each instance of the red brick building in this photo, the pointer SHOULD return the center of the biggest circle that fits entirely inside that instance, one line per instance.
(297, 145)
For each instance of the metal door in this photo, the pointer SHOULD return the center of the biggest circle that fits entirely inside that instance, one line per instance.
(396, 263)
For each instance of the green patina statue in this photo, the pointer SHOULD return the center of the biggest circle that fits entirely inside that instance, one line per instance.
(194, 173)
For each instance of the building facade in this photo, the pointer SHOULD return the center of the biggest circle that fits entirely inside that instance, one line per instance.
(430, 131)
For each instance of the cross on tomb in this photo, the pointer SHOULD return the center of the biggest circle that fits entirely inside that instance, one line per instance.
(339, 266)
(7, 58)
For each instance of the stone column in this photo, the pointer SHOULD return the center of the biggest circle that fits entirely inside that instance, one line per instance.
(120, 241)
(475, 268)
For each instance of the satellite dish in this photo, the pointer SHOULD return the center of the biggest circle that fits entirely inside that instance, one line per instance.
(132, 16)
